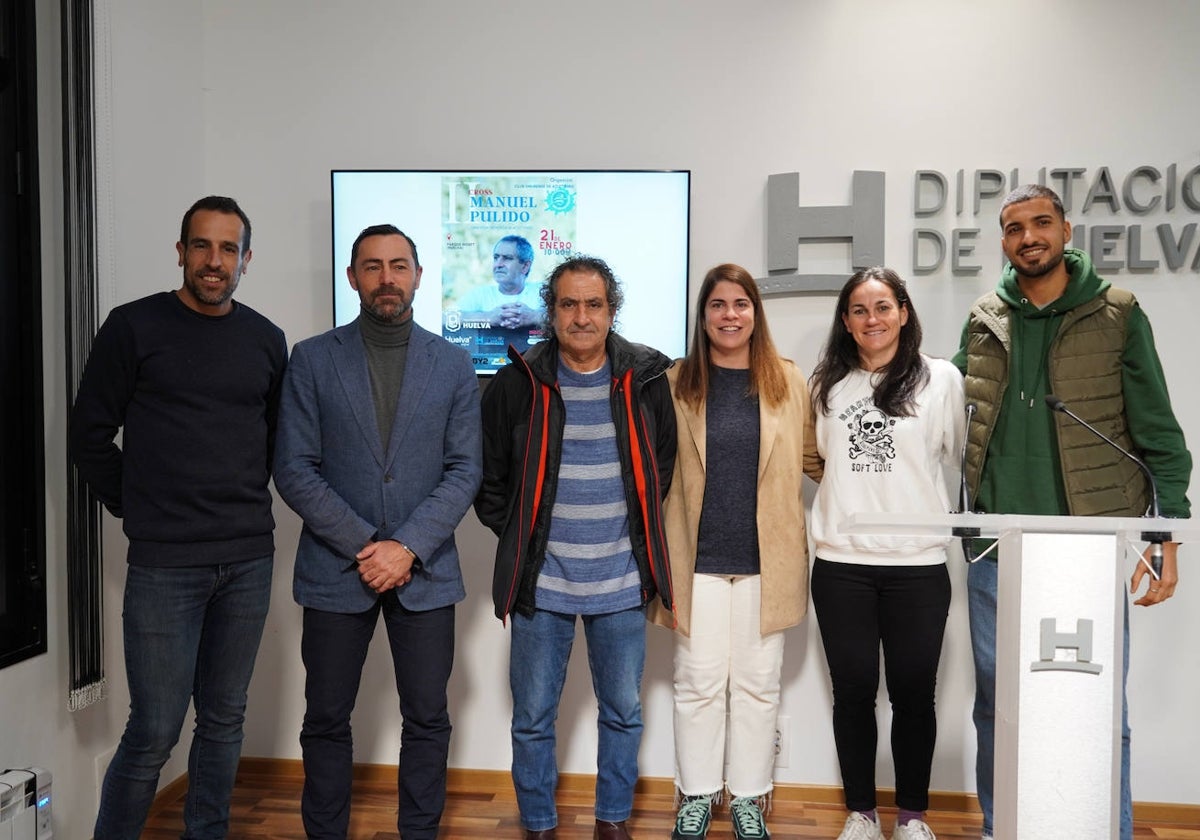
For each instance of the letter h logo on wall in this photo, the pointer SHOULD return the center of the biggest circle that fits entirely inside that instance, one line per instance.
(788, 224)
(1052, 641)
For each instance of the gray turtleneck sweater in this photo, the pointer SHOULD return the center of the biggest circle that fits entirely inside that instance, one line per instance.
(386, 344)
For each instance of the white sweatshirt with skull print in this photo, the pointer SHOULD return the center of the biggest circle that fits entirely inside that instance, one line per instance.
(876, 463)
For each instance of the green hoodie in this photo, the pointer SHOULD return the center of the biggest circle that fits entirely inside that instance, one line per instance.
(1021, 472)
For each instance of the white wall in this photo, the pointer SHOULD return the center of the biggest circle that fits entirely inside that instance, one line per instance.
(260, 100)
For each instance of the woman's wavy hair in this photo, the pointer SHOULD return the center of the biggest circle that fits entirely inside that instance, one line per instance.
(895, 392)
(767, 379)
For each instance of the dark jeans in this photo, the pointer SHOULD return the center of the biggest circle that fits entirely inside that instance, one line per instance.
(191, 634)
(905, 608)
(334, 647)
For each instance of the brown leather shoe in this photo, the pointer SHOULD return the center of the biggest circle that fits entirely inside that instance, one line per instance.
(611, 831)
(544, 834)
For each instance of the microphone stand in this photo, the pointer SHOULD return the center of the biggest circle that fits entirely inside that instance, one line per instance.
(965, 532)
(1155, 538)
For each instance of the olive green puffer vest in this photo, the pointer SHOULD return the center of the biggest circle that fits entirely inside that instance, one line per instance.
(1085, 372)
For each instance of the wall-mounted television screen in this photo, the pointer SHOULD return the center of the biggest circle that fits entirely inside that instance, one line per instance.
(487, 239)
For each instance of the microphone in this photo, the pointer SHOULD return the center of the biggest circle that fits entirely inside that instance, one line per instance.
(964, 493)
(964, 532)
(1155, 538)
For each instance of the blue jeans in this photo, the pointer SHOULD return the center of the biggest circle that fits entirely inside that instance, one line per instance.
(191, 634)
(541, 646)
(981, 601)
(334, 648)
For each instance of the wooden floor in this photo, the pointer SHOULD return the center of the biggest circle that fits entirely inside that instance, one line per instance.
(267, 805)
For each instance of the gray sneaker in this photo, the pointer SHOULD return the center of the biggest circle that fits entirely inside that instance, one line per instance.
(746, 814)
(913, 830)
(694, 818)
(861, 827)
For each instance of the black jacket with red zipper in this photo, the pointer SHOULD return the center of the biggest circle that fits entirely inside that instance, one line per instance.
(523, 420)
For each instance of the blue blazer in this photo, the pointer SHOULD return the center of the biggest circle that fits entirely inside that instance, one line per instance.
(332, 469)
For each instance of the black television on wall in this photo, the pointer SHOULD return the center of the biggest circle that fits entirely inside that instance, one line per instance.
(473, 229)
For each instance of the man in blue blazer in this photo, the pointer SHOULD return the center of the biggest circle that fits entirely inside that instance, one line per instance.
(378, 451)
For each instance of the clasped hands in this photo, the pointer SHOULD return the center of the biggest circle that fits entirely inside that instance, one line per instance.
(512, 316)
(385, 565)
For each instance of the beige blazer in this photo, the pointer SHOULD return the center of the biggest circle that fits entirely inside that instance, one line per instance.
(787, 450)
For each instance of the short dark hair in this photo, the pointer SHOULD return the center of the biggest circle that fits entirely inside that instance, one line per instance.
(1028, 192)
(586, 265)
(221, 204)
(524, 249)
(382, 230)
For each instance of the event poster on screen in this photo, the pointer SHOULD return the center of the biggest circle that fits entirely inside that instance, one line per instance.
(637, 221)
(530, 215)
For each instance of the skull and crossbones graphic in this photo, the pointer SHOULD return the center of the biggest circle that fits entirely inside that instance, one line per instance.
(871, 437)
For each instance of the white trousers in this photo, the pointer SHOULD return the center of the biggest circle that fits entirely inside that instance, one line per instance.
(726, 667)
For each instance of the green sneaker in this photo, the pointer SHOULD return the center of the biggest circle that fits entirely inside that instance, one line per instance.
(746, 814)
(694, 818)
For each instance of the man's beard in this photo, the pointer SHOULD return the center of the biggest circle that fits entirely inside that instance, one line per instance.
(211, 297)
(1042, 269)
(388, 311)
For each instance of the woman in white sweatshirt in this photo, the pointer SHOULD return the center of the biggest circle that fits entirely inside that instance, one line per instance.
(887, 419)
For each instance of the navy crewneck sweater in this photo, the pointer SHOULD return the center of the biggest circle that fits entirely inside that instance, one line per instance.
(197, 397)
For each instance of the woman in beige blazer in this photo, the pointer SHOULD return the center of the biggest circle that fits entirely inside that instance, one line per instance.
(739, 558)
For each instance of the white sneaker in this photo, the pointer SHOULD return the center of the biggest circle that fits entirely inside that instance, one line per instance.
(860, 827)
(913, 830)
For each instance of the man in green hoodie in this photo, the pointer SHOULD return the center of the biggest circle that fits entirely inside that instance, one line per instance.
(1053, 326)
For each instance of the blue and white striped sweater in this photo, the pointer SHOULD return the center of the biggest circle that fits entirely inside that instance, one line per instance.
(589, 567)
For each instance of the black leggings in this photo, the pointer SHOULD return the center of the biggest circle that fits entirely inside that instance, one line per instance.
(905, 608)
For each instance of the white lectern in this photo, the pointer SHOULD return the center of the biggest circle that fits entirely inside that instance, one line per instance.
(1059, 659)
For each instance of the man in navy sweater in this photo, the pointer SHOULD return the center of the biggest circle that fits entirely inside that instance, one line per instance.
(193, 378)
